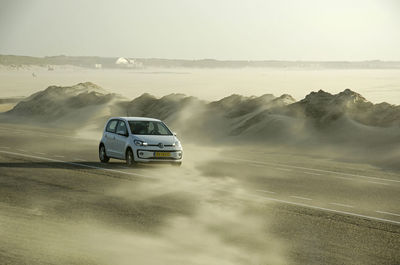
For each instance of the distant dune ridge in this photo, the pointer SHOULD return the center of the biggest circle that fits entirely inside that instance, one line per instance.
(16, 61)
(320, 117)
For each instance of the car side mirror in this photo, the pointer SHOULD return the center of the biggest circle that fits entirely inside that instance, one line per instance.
(174, 133)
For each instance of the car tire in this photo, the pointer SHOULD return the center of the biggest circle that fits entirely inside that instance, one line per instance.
(130, 159)
(103, 155)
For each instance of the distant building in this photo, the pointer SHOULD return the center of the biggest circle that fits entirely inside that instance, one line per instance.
(129, 63)
(122, 61)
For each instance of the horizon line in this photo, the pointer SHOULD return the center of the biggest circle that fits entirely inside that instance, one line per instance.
(202, 59)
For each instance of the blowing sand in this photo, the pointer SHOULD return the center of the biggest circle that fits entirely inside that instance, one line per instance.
(208, 211)
(209, 84)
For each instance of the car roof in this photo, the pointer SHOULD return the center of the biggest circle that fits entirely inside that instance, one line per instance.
(135, 118)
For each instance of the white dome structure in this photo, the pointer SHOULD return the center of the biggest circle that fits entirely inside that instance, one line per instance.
(122, 60)
(128, 63)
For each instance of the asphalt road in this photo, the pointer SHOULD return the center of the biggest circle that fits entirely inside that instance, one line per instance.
(59, 205)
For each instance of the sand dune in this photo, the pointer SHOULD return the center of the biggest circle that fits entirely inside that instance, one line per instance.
(319, 118)
(55, 101)
(325, 107)
(81, 105)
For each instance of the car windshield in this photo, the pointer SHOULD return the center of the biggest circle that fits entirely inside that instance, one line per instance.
(149, 128)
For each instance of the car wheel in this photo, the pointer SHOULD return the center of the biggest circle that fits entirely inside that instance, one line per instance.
(130, 160)
(102, 154)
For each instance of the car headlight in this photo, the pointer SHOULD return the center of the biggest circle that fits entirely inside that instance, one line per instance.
(139, 143)
(177, 144)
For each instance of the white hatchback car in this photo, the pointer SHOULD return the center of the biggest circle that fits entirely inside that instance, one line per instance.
(139, 139)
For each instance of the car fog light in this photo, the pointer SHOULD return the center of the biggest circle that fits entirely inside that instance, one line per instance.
(141, 153)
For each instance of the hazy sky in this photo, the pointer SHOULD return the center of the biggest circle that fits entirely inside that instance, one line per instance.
(188, 29)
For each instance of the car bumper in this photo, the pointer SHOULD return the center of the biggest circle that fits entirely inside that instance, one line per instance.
(143, 155)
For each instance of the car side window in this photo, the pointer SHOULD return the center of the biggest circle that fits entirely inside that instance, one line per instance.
(121, 128)
(111, 126)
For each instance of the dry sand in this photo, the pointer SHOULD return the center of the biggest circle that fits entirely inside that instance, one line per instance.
(209, 84)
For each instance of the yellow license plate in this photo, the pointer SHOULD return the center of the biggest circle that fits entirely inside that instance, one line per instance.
(162, 154)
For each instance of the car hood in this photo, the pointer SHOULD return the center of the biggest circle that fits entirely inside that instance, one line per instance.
(156, 139)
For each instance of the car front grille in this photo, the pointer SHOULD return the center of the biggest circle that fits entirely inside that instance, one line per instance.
(165, 145)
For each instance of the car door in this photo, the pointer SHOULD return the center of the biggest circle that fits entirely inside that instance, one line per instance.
(109, 137)
(121, 137)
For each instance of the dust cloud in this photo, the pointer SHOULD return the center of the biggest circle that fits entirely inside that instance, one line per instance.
(179, 216)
